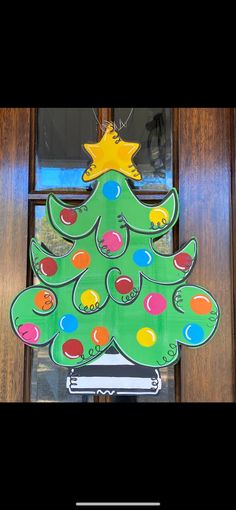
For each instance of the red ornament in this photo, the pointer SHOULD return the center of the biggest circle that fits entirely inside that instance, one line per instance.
(68, 216)
(48, 266)
(124, 284)
(183, 261)
(72, 349)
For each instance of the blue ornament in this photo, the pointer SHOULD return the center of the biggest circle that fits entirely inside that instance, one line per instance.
(142, 257)
(193, 333)
(68, 323)
(111, 190)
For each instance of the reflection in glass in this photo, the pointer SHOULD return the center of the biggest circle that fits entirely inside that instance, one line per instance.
(151, 127)
(60, 157)
(48, 381)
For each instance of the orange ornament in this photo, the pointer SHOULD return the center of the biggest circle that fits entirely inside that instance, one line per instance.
(44, 300)
(201, 304)
(81, 259)
(100, 335)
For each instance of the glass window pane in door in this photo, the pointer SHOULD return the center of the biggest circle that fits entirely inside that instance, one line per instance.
(48, 381)
(60, 157)
(152, 128)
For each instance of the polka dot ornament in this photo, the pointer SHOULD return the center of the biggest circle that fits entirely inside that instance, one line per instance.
(111, 190)
(142, 258)
(183, 261)
(124, 284)
(68, 216)
(155, 304)
(90, 298)
(100, 335)
(81, 259)
(201, 304)
(48, 266)
(68, 323)
(159, 216)
(193, 333)
(29, 333)
(44, 300)
(146, 337)
(72, 348)
(112, 240)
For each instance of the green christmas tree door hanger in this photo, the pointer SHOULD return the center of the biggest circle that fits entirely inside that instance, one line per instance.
(113, 288)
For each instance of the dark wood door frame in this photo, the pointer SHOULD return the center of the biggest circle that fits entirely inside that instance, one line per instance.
(206, 145)
(14, 171)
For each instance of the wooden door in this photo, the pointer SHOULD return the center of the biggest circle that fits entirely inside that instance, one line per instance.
(203, 145)
(206, 145)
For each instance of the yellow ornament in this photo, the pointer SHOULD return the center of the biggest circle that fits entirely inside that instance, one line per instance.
(111, 153)
(90, 298)
(159, 215)
(146, 337)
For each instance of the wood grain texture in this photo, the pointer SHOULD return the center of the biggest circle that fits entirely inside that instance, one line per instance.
(14, 155)
(207, 373)
(233, 189)
(104, 115)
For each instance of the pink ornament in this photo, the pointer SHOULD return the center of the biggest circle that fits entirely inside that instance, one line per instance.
(29, 333)
(155, 303)
(112, 240)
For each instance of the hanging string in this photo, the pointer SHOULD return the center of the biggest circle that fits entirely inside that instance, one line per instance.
(117, 126)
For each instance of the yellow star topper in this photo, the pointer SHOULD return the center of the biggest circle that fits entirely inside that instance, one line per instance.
(111, 153)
